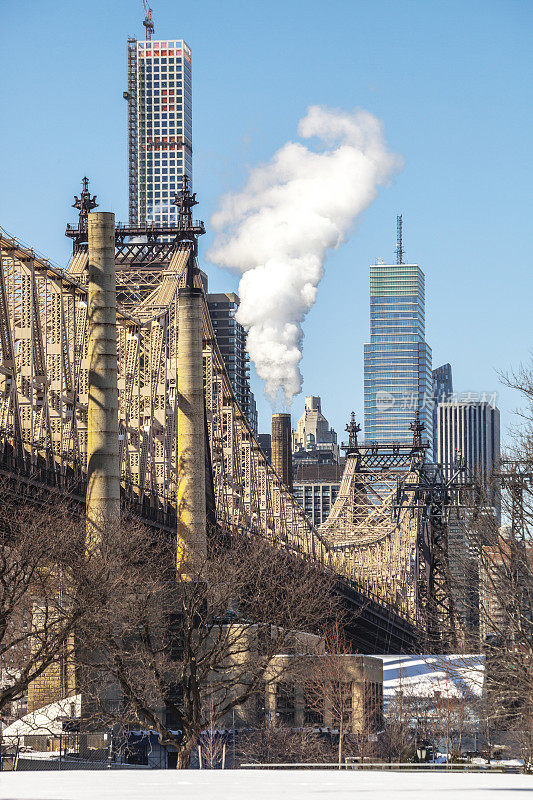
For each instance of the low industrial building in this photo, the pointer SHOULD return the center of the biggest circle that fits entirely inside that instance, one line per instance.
(318, 689)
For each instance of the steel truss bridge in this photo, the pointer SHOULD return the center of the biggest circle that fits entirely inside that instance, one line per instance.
(385, 539)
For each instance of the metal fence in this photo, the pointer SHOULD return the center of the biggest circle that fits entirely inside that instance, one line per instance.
(70, 751)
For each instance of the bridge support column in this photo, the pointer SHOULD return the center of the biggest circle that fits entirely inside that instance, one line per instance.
(192, 533)
(103, 468)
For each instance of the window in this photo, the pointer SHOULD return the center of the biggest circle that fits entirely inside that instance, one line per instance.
(313, 708)
(285, 707)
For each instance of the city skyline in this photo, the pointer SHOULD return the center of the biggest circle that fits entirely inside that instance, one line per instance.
(439, 231)
(181, 589)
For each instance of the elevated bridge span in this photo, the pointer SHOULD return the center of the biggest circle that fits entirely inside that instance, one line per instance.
(370, 543)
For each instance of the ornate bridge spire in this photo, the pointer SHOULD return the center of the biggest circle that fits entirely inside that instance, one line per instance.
(84, 203)
(417, 427)
(187, 229)
(185, 202)
(352, 429)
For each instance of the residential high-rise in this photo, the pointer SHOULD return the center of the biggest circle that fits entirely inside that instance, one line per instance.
(398, 359)
(159, 127)
(316, 487)
(231, 340)
(442, 393)
(313, 441)
(471, 430)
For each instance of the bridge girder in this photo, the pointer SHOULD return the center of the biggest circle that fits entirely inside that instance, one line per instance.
(43, 418)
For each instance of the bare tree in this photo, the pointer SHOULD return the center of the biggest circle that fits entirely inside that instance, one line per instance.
(213, 744)
(505, 561)
(48, 583)
(178, 653)
(499, 564)
(399, 732)
(277, 744)
(340, 694)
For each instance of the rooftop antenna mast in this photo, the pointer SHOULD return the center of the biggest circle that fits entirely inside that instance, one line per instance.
(399, 240)
(147, 21)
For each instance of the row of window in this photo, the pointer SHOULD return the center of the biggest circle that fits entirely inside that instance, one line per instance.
(383, 360)
(162, 182)
(165, 177)
(162, 59)
(151, 69)
(158, 87)
(163, 81)
(160, 166)
(413, 298)
(146, 88)
(172, 128)
(378, 338)
(156, 118)
(400, 312)
(172, 52)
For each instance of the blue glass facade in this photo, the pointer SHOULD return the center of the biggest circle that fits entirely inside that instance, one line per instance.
(397, 360)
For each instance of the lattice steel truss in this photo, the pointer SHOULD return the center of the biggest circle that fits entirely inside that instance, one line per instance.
(44, 395)
(377, 534)
(390, 525)
(376, 543)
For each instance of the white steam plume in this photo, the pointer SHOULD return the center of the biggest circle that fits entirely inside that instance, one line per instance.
(276, 232)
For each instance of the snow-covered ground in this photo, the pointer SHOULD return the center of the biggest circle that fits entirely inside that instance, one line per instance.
(258, 785)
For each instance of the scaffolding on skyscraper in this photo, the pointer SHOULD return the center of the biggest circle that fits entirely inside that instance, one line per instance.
(131, 97)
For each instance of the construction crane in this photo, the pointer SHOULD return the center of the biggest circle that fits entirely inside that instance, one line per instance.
(147, 21)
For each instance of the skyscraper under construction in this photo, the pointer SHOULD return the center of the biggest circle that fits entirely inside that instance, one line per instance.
(159, 127)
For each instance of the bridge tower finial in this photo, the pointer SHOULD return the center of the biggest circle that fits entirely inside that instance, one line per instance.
(352, 429)
(417, 427)
(185, 201)
(84, 203)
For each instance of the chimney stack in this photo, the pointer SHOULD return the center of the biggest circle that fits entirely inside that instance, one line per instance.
(282, 447)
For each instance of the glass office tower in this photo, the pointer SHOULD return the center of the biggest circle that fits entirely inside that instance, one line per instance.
(397, 360)
(159, 127)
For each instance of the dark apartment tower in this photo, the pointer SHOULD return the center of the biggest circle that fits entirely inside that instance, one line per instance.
(442, 393)
(231, 340)
(264, 440)
(281, 447)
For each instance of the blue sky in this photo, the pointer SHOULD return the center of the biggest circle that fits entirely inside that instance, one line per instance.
(451, 82)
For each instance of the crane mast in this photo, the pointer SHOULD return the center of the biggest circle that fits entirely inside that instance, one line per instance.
(147, 21)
